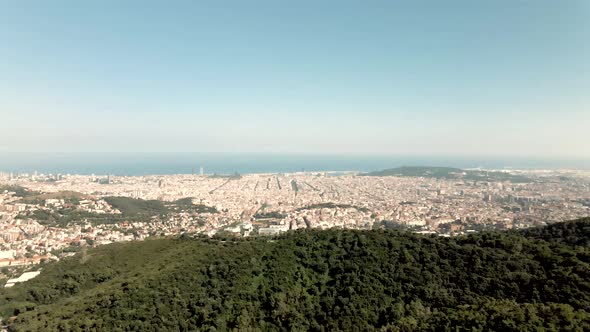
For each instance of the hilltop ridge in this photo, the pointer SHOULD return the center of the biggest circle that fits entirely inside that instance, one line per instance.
(317, 280)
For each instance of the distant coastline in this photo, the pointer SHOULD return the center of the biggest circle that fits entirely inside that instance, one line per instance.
(227, 163)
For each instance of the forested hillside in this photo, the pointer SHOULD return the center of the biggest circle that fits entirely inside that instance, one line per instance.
(320, 281)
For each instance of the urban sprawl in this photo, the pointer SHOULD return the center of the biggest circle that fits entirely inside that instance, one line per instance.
(46, 217)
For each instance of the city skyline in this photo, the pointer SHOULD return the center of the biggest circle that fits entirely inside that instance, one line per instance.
(500, 78)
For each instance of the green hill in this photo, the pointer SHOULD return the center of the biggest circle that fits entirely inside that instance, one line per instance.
(135, 207)
(331, 280)
(18, 190)
(573, 233)
(436, 172)
(132, 209)
(449, 173)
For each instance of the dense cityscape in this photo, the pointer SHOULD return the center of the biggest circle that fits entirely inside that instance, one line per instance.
(45, 217)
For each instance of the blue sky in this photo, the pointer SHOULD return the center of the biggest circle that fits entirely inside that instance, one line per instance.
(381, 77)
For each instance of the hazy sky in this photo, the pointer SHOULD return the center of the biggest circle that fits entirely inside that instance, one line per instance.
(389, 77)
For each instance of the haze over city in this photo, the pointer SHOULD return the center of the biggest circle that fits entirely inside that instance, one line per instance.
(463, 78)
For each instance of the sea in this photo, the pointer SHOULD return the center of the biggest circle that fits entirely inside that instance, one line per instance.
(129, 164)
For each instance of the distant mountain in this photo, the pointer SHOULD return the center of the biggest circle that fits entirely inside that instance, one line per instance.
(331, 280)
(449, 173)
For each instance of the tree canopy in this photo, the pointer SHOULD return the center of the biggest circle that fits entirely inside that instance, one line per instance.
(331, 280)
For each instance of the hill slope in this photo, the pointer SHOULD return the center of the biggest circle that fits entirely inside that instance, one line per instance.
(317, 280)
(449, 173)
